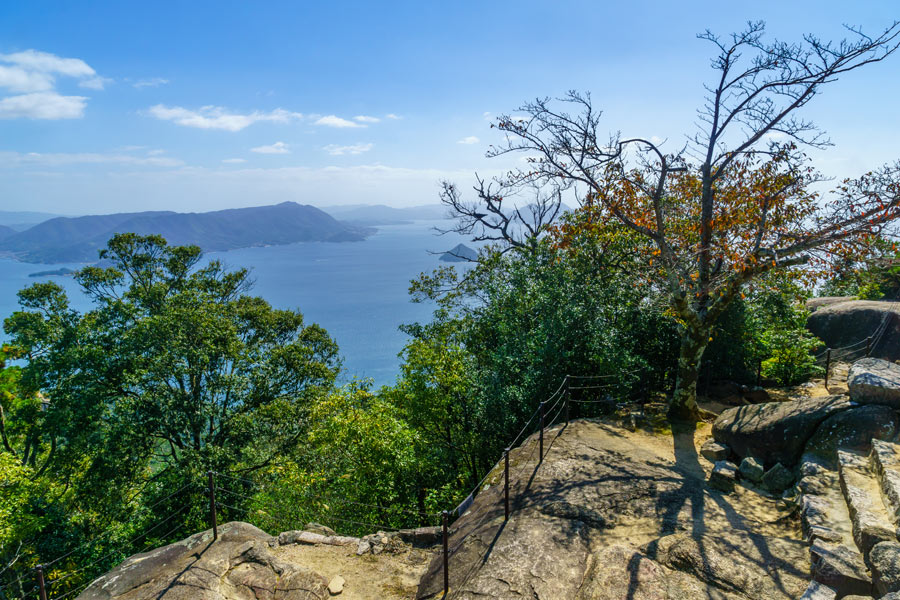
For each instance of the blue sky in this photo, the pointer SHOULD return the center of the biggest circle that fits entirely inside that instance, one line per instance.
(121, 106)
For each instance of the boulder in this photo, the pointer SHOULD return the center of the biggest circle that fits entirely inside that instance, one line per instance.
(336, 585)
(819, 591)
(777, 478)
(723, 476)
(847, 323)
(885, 562)
(713, 451)
(751, 470)
(238, 566)
(775, 431)
(852, 429)
(840, 568)
(874, 381)
(813, 304)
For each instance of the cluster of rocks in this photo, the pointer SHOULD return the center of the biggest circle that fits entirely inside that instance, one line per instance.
(241, 565)
(840, 451)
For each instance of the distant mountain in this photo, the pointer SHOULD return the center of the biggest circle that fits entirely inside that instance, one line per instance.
(78, 239)
(460, 253)
(379, 214)
(5, 231)
(19, 220)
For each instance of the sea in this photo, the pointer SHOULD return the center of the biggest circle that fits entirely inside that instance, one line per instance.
(357, 291)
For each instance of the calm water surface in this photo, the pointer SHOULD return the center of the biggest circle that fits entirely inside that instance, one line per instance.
(357, 291)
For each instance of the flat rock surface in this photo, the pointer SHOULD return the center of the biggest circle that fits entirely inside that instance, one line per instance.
(583, 526)
(874, 381)
(775, 431)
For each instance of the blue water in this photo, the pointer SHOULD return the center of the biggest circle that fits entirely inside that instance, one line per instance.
(357, 291)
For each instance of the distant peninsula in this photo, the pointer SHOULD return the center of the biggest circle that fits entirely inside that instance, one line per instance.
(460, 253)
(60, 272)
(78, 239)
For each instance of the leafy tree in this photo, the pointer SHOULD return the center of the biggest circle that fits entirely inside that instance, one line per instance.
(733, 205)
(174, 371)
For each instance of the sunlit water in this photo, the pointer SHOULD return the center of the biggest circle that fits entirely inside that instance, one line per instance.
(357, 291)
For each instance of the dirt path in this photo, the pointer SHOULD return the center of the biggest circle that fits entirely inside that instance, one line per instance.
(367, 577)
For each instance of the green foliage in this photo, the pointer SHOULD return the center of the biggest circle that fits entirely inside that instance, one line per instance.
(876, 276)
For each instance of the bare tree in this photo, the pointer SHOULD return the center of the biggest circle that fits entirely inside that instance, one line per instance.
(735, 202)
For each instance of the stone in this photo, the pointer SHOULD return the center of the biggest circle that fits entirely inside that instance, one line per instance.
(885, 562)
(885, 461)
(818, 591)
(756, 395)
(363, 547)
(775, 431)
(422, 537)
(777, 478)
(852, 429)
(826, 534)
(723, 476)
(751, 470)
(713, 451)
(847, 323)
(874, 381)
(336, 585)
(840, 568)
(320, 529)
(871, 523)
(238, 566)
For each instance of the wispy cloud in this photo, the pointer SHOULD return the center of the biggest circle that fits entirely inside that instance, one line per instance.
(335, 150)
(32, 74)
(366, 119)
(42, 105)
(469, 140)
(64, 159)
(234, 161)
(334, 121)
(276, 148)
(150, 82)
(393, 117)
(216, 117)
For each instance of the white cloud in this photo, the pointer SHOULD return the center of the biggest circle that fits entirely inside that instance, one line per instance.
(17, 79)
(32, 76)
(336, 150)
(216, 117)
(366, 119)
(468, 140)
(42, 105)
(234, 161)
(95, 83)
(155, 152)
(276, 148)
(393, 117)
(64, 159)
(151, 82)
(334, 121)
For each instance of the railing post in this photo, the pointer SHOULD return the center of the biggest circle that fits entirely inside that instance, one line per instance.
(506, 485)
(868, 346)
(827, 366)
(212, 504)
(541, 452)
(566, 394)
(444, 518)
(759, 372)
(42, 589)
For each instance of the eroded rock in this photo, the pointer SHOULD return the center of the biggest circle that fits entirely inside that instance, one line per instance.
(874, 381)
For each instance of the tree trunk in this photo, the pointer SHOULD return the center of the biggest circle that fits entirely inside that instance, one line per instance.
(683, 405)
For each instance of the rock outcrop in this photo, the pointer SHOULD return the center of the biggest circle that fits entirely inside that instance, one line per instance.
(874, 381)
(612, 514)
(846, 323)
(775, 432)
(239, 566)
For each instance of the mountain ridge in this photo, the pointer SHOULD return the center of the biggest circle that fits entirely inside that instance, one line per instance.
(78, 239)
